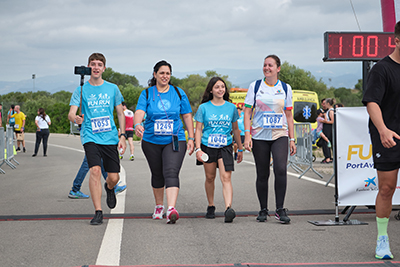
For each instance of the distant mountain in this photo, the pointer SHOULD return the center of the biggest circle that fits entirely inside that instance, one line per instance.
(243, 78)
(239, 78)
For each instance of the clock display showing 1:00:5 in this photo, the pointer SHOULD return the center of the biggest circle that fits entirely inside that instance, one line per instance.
(357, 46)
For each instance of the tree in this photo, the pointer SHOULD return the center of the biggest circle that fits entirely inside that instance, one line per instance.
(131, 95)
(348, 97)
(194, 86)
(359, 85)
(300, 79)
(118, 78)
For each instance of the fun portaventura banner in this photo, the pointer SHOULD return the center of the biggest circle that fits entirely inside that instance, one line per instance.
(357, 179)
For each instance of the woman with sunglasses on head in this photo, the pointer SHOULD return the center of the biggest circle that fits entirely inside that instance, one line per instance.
(215, 119)
(163, 136)
(272, 132)
(42, 122)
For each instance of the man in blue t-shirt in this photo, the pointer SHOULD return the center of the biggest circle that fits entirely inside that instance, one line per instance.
(99, 134)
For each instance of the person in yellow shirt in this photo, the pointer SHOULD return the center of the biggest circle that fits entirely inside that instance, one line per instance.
(19, 127)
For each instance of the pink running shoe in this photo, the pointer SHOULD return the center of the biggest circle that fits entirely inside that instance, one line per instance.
(172, 215)
(158, 212)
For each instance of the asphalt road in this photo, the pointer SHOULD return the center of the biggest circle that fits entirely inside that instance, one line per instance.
(41, 226)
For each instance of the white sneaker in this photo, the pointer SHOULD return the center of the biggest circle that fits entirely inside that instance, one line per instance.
(382, 250)
(172, 215)
(158, 212)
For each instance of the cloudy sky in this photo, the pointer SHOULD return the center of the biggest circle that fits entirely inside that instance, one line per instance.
(50, 37)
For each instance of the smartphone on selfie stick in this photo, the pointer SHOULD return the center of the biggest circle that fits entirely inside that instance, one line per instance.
(82, 70)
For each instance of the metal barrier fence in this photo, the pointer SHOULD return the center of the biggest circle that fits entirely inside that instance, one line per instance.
(73, 128)
(303, 156)
(10, 147)
(2, 147)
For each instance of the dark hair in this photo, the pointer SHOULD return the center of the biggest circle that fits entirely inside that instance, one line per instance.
(207, 96)
(12, 106)
(339, 105)
(42, 113)
(156, 67)
(97, 56)
(397, 30)
(319, 111)
(123, 103)
(276, 58)
(330, 101)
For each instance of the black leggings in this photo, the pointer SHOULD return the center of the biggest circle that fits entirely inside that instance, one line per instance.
(327, 130)
(42, 134)
(164, 163)
(262, 156)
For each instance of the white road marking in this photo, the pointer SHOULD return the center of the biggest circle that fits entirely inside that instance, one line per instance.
(110, 249)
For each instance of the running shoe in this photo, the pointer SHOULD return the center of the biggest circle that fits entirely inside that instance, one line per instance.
(158, 212)
(382, 251)
(172, 215)
(119, 189)
(78, 194)
(281, 216)
(132, 158)
(23, 149)
(98, 218)
(262, 215)
(210, 212)
(18, 149)
(230, 214)
(111, 199)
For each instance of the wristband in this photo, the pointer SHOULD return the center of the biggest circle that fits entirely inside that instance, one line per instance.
(292, 139)
(191, 138)
(246, 130)
(197, 150)
(123, 134)
(136, 125)
(240, 150)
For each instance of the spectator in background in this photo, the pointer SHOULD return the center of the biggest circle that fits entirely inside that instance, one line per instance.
(42, 122)
(241, 129)
(11, 121)
(338, 105)
(1, 117)
(19, 127)
(129, 129)
(323, 104)
(80, 176)
(327, 130)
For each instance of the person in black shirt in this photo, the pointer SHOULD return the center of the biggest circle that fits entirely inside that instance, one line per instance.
(382, 100)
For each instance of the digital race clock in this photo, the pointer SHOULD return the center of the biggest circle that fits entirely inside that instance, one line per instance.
(357, 46)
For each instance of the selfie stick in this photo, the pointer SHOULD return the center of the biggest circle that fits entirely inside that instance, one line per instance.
(80, 102)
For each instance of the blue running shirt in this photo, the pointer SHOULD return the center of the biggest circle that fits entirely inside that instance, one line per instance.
(160, 124)
(217, 123)
(98, 103)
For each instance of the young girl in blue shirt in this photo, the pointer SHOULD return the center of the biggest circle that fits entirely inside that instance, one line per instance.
(215, 119)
